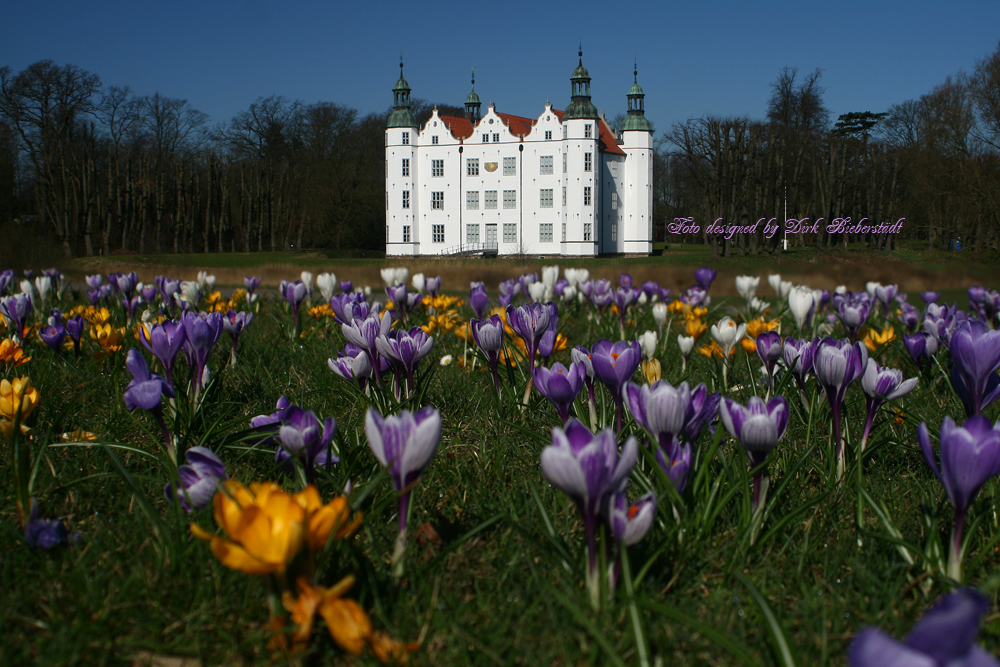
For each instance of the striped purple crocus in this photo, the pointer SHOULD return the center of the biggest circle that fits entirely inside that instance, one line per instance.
(837, 364)
(881, 384)
(614, 365)
(975, 355)
(560, 385)
(406, 349)
(758, 426)
(488, 335)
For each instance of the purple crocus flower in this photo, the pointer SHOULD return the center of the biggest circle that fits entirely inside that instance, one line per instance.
(251, 283)
(197, 479)
(547, 343)
(294, 293)
(269, 424)
(16, 309)
(302, 436)
(970, 455)
(148, 293)
(234, 323)
(944, 637)
(630, 523)
(145, 391)
(406, 349)
(346, 285)
(881, 384)
(758, 427)
(975, 353)
(201, 332)
(94, 281)
(74, 329)
(853, 311)
(560, 385)
(705, 276)
(701, 411)
(769, 349)
(798, 357)
(168, 290)
(921, 345)
(663, 410)
(581, 355)
(696, 296)
(601, 295)
(6, 278)
(357, 368)
(509, 289)
(488, 335)
(625, 297)
(343, 306)
(364, 333)
(433, 286)
(125, 284)
(529, 322)
(53, 335)
(909, 317)
(164, 341)
(836, 364)
(885, 294)
(404, 443)
(614, 365)
(44, 533)
(930, 297)
(587, 468)
(479, 301)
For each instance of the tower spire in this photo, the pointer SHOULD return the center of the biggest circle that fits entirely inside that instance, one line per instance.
(402, 114)
(580, 106)
(636, 119)
(472, 104)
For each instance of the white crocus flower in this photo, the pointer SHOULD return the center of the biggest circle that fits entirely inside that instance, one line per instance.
(389, 276)
(660, 314)
(871, 287)
(402, 273)
(840, 289)
(550, 274)
(569, 293)
(191, 291)
(686, 343)
(327, 284)
(800, 300)
(307, 280)
(643, 299)
(419, 282)
(44, 285)
(647, 342)
(747, 286)
(537, 292)
(758, 306)
(785, 288)
(774, 280)
(727, 334)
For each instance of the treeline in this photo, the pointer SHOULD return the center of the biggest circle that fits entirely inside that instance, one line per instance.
(105, 170)
(102, 170)
(934, 161)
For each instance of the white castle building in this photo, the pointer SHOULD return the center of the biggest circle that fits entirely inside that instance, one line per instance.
(559, 184)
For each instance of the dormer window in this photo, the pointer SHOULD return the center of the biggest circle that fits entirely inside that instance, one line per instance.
(548, 135)
(496, 137)
(588, 131)
(434, 140)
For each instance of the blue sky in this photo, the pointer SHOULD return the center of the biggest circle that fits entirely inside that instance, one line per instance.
(694, 58)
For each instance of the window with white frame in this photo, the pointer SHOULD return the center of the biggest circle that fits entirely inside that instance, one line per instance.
(472, 166)
(496, 137)
(614, 232)
(565, 131)
(486, 138)
(437, 167)
(472, 200)
(586, 231)
(472, 233)
(614, 201)
(545, 232)
(510, 198)
(564, 232)
(490, 199)
(510, 166)
(406, 199)
(437, 233)
(548, 135)
(588, 161)
(564, 195)
(545, 198)
(586, 195)
(564, 162)
(545, 164)
(406, 138)
(614, 169)
(437, 200)
(406, 166)
(509, 232)
(434, 140)
(588, 131)
(406, 233)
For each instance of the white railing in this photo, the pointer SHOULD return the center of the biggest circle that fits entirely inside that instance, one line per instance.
(470, 248)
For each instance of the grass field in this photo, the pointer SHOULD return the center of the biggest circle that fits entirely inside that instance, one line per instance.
(495, 565)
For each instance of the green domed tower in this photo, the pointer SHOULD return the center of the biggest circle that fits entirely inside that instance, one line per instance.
(402, 114)
(636, 119)
(580, 106)
(473, 105)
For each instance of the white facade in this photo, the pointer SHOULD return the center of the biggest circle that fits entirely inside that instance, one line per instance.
(543, 186)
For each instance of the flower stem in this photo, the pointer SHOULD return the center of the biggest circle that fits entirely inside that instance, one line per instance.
(955, 557)
(399, 552)
(593, 570)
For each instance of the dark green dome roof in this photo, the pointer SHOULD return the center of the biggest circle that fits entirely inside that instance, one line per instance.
(401, 85)
(636, 89)
(580, 72)
(473, 98)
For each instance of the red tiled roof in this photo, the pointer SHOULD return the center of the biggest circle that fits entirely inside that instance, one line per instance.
(460, 128)
(518, 125)
(607, 139)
